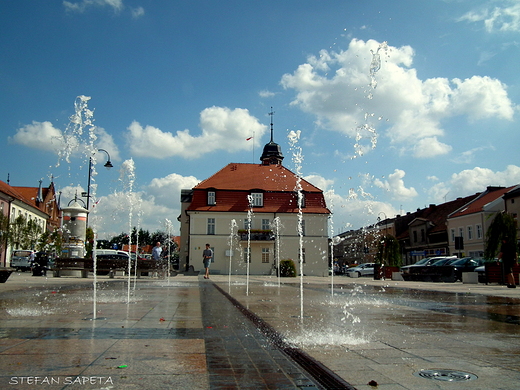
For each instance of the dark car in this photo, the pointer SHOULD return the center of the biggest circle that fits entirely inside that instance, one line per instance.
(445, 261)
(466, 264)
(427, 261)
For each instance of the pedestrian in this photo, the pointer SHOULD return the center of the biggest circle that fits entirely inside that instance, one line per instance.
(509, 256)
(156, 255)
(207, 257)
(156, 252)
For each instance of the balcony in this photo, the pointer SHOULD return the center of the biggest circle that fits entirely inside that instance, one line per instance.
(256, 235)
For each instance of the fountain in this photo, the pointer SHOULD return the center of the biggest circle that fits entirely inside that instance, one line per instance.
(277, 225)
(249, 222)
(233, 226)
(81, 126)
(128, 173)
(294, 137)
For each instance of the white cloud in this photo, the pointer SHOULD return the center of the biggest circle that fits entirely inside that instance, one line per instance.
(468, 156)
(81, 6)
(222, 129)
(39, 135)
(44, 136)
(335, 87)
(471, 181)
(497, 18)
(320, 182)
(430, 147)
(167, 188)
(266, 94)
(137, 12)
(355, 209)
(395, 186)
(148, 209)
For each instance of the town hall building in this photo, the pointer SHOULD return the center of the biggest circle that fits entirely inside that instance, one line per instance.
(250, 212)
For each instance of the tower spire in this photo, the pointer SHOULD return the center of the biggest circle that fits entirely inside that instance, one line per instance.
(271, 114)
(272, 154)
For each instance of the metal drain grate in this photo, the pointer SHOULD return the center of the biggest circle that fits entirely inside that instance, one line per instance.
(446, 375)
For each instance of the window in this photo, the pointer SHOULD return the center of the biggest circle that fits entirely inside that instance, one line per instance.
(470, 232)
(265, 255)
(423, 236)
(452, 233)
(211, 198)
(461, 232)
(414, 236)
(211, 226)
(247, 255)
(247, 224)
(257, 199)
(266, 224)
(479, 231)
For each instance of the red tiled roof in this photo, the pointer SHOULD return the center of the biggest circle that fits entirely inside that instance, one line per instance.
(15, 193)
(437, 215)
(478, 204)
(234, 182)
(240, 176)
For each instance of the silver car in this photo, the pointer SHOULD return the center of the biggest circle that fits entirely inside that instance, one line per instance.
(364, 269)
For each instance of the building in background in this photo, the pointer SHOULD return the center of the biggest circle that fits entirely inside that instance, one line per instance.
(250, 212)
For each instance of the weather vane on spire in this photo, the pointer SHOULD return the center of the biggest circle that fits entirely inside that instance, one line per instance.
(271, 115)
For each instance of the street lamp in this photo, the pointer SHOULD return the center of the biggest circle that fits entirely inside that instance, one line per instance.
(107, 165)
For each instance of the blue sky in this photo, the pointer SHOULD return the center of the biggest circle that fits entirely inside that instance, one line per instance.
(176, 88)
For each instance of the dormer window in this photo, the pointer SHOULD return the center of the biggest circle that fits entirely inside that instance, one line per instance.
(212, 201)
(257, 199)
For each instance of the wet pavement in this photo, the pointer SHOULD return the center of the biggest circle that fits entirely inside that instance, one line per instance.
(257, 333)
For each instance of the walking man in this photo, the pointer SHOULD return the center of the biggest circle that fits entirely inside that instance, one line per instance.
(508, 256)
(207, 257)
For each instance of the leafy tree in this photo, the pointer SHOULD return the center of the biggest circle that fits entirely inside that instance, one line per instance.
(503, 225)
(89, 242)
(158, 236)
(43, 242)
(4, 231)
(17, 238)
(32, 233)
(388, 252)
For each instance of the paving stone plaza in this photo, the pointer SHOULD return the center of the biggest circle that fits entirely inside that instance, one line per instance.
(235, 332)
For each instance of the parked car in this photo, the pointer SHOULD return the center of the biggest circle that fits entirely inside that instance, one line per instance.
(445, 261)
(21, 260)
(481, 271)
(427, 261)
(466, 264)
(365, 269)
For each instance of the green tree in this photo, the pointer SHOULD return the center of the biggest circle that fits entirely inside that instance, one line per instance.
(388, 251)
(503, 225)
(89, 242)
(32, 234)
(17, 238)
(287, 268)
(4, 232)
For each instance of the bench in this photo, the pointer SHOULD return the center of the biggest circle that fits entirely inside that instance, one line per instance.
(494, 273)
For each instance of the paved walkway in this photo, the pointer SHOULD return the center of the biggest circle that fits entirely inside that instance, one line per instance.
(191, 333)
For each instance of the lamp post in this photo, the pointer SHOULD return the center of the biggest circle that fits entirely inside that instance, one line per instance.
(107, 165)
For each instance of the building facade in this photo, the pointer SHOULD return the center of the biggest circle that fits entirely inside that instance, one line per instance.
(252, 216)
(469, 224)
(37, 204)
